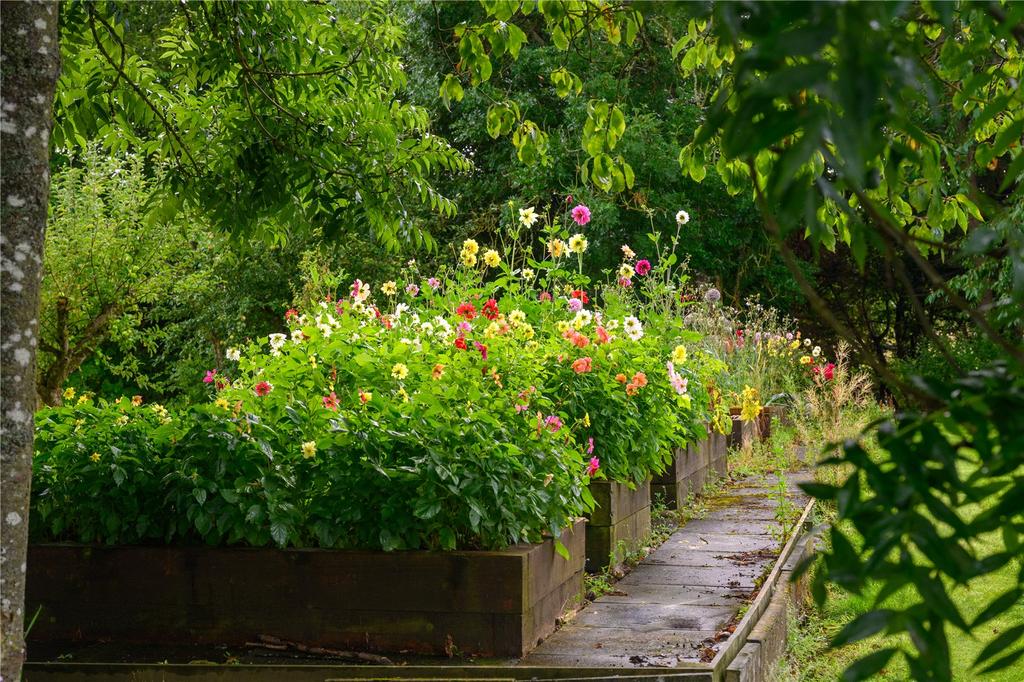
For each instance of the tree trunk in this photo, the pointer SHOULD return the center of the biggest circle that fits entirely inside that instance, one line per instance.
(28, 78)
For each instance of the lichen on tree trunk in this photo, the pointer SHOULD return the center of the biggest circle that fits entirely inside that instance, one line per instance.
(29, 69)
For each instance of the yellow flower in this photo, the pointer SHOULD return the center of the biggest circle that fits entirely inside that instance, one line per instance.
(527, 216)
(309, 449)
(492, 330)
(577, 243)
(491, 258)
(586, 419)
(222, 403)
(312, 360)
(468, 259)
(136, 400)
(389, 288)
(516, 317)
(556, 247)
(750, 406)
(83, 399)
(679, 354)
(794, 345)
(532, 346)
(805, 359)
(405, 395)
(122, 420)
(69, 393)
(625, 271)
(563, 326)
(528, 332)
(399, 371)
(94, 457)
(470, 246)
(365, 396)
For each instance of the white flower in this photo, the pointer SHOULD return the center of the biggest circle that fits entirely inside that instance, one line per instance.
(634, 330)
(628, 252)
(399, 309)
(817, 351)
(325, 329)
(527, 217)
(277, 342)
(612, 325)
(807, 342)
(582, 319)
(528, 273)
(427, 328)
(682, 217)
(233, 354)
(298, 336)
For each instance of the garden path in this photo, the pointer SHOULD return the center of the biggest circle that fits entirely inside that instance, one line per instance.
(677, 606)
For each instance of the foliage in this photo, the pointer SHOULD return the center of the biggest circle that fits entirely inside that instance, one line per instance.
(105, 261)
(274, 120)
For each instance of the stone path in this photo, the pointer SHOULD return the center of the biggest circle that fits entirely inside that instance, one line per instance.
(672, 609)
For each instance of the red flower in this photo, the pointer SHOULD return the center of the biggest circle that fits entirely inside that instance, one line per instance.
(580, 294)
(460, 343)
(829, 372)
(490, 309)
(290, 313)
(263, 388)
(643, 267)
(467, 310)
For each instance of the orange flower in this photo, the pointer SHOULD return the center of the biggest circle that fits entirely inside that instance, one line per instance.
(620, 377)
(632, 389)
(581, 365)
(438, 372)
(640, 379)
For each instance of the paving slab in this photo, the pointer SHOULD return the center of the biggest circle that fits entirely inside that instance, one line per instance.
(669, 610)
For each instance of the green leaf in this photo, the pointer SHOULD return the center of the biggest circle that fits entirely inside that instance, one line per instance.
(864, 625)
(869, 665)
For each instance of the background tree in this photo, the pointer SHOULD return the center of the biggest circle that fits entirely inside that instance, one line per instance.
(31, 62)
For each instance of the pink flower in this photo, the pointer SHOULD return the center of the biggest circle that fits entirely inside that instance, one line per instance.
(593, 466)
(590, 445)
(602, 336)
(434, 282)
(544, 296)
(465, 327)
(553, 423)
(331, 401)
(643, 266)
(412, 290)
(575, 305)
(263, 388)
(211, 376)
(581, 214)
(625, 282)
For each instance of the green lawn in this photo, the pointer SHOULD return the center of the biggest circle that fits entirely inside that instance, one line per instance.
(809, 658)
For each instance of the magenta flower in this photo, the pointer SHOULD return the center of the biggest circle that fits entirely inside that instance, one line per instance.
(465, 327)
(482, 348)
(211, 376)
(643, 267)
(412, 290)
(575, 305)
(553, 423)
(581, 214)
(593, 466)
(590, 445)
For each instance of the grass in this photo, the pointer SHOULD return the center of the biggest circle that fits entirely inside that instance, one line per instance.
(809, 657)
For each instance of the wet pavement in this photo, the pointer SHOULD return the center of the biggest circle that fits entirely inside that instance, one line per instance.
(676, 607)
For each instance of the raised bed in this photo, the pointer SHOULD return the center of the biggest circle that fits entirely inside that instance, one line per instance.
(497, 603)
(620, 522)
(743, 433)
(691, 468)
